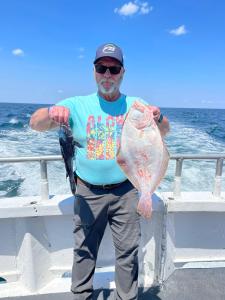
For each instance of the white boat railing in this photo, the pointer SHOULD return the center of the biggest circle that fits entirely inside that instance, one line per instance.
(218, 173)
(43, 160)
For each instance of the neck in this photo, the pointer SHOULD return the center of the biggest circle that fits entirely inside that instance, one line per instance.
(110, 97)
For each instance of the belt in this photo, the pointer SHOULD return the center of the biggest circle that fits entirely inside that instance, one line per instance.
(102, 186)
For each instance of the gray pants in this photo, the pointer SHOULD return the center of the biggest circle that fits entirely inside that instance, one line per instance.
(94, 208)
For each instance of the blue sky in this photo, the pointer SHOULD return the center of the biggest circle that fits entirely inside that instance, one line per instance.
(174, 50)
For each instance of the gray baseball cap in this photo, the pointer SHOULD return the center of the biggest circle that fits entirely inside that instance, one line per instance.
(109, 50)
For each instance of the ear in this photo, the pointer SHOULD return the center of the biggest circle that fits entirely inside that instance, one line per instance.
(122, 73)
(94, 73)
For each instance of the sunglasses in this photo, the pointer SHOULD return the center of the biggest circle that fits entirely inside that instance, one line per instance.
(102, 69)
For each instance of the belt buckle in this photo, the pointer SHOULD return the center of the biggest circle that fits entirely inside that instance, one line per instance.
(106, 186)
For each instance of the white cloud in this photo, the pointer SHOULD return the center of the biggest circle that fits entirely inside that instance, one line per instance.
(60, 91)
(128, 9)
(18, 52)
(181, 30)
(132, 8)
(145, 8)
(80, 56)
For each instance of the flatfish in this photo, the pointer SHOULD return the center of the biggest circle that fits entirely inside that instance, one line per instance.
(142, 154)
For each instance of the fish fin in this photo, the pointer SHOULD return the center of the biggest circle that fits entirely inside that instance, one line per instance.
(144, 207)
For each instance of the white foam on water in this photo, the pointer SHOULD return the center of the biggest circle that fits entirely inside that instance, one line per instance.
(196, 175)
(32, 143)
(14, 121)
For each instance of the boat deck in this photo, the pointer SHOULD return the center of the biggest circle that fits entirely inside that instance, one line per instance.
(183, 284)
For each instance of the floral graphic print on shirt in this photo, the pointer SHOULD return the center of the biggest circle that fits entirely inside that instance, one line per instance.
(103, 136)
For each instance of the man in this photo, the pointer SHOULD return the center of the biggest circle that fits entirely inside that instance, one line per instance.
(104, 195)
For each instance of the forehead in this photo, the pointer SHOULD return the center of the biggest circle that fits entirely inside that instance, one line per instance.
(108, 60)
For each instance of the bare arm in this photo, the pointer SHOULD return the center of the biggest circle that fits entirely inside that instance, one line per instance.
(44, 119)
(163, 126)
(40, 120)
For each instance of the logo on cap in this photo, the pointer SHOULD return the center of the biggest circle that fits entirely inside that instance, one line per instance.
(109, 48)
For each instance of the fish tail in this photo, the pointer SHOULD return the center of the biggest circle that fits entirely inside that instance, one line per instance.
(144, 207)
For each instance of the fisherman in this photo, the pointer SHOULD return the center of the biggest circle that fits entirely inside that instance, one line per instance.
(104, 194)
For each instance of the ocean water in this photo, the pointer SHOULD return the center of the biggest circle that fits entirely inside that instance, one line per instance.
(193, 131)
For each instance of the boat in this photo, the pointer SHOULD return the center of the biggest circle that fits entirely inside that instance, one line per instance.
(182, 251)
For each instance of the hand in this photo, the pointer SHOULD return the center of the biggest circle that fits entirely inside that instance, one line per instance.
(59, 114)
(156, 112)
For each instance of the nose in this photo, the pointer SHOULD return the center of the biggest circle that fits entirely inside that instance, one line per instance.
(107, 74)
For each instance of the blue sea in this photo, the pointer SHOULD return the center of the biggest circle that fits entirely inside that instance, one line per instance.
(193, 131)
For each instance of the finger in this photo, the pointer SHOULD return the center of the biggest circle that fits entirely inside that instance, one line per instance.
(66, 116)
(50, 112)
(156, 113)
(61, 116)
(156, 117)
(59, 113)
(53, 113)
(156, 110)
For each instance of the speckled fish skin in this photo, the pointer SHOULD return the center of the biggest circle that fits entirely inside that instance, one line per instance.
(67, 149)
(142, 155)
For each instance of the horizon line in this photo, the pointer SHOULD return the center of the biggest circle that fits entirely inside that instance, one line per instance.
(176, 107)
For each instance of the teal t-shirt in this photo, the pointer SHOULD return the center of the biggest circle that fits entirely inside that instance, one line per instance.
(97, 125)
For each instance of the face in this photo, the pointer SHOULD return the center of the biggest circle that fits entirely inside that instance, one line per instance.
(108, 83)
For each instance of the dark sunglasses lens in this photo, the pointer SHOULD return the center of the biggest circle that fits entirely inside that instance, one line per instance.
(115, 70)
(102, 69)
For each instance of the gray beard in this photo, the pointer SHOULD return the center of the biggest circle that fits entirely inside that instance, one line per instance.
(114, 88)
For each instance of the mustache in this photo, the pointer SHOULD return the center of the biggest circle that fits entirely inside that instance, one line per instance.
(106, 80)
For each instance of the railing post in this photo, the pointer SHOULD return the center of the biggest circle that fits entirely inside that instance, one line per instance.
(177, 178)
(218, 178)
(44, 180)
